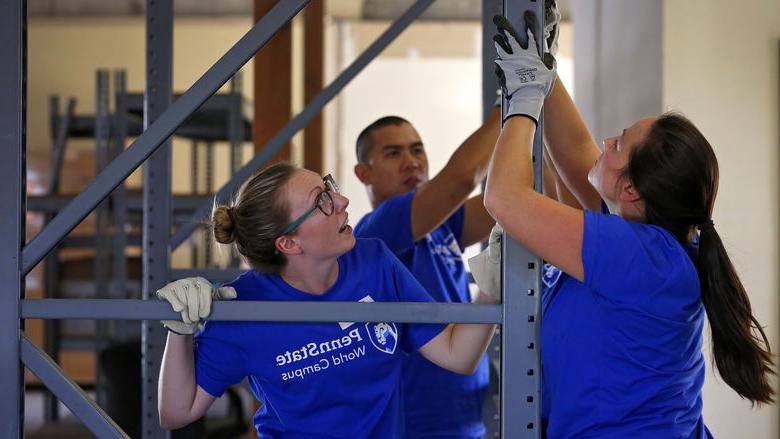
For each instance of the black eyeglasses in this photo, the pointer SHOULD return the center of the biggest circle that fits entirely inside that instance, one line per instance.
(324, 203)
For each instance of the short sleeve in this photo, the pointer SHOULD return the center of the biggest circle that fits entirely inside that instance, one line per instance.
(626, 261)
(390, 222)
(408, 289)
(219, 362)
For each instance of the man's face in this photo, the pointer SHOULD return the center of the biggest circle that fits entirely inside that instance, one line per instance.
(397, 162)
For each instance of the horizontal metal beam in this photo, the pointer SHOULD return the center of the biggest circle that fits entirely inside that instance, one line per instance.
(120, 168)
(257, 311)
(84, 408)
(213, 275)
(300, 121)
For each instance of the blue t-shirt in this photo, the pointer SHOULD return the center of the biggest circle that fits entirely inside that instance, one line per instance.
(320, 380)
(437, 402)
(621, 352)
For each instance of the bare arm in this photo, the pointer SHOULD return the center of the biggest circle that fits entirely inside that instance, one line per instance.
(181, 401)
(554, 187)
(550, 229)
(437, 199)
(477, 222)
(459, 347)
(571, 146)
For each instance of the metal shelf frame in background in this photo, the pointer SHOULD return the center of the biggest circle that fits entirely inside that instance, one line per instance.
(517, 315)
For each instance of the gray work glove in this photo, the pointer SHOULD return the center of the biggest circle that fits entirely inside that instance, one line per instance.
(552, 20)
(192, 298)
(486, 266)
(526, 80)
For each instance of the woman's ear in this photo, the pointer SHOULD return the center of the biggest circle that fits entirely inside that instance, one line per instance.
(287, 245)
(628, 193)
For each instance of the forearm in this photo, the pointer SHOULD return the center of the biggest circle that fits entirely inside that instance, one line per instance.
(470, 160)
(468, 343)
(571, 146)
(436, 200)
(177, 387)
(554, 187)
(510, 176)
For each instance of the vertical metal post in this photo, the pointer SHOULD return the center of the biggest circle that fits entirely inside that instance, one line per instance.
(491, 411)
(235, 137)
(119, 197)
(13, 139)
(209, 187)
(100, 262)
(520, 272)
(156, 202)
(195, 187)
(60, 129)
(490, 8)
(60, 132)
(235, 133)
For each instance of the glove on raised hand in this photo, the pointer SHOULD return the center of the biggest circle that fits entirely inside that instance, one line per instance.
(192, 298)
(525, 79)
(552, 20)
(486, 266)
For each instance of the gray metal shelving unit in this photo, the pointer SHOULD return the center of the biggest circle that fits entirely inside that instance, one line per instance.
(517, 315)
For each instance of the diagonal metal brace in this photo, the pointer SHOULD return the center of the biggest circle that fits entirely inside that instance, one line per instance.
(87, 410)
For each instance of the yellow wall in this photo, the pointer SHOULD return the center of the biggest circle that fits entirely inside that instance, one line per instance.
(64, 54)
(721, 69)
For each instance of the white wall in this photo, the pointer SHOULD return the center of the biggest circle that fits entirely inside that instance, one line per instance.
(721, 69)
(431, 75)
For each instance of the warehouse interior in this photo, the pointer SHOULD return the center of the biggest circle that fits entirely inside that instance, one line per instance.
(716, 62)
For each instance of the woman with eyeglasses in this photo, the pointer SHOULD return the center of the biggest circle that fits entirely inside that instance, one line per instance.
(335, 380)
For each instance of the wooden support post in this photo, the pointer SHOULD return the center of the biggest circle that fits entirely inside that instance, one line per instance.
(313, 62)
(272, 84)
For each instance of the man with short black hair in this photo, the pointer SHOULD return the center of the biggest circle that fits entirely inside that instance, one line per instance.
(427, 224)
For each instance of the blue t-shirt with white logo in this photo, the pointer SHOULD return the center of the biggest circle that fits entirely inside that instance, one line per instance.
(621, 351)
(437, 402)
(320, 380)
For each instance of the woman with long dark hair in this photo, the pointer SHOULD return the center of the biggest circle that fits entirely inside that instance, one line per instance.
(635, 262)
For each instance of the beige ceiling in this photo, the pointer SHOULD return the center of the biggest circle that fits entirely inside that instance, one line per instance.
(347, 9)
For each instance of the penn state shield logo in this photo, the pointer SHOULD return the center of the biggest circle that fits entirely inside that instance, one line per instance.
(550, 275)
(384, 336)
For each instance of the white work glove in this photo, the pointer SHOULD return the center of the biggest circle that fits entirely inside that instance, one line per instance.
(192, 298)
(526, 80)
(552, 20)
(486, 266)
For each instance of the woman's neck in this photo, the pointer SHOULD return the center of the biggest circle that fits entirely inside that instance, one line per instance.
(313, 278)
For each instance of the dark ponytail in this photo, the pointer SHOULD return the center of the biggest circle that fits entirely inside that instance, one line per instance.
(739, 345)
(675, 172)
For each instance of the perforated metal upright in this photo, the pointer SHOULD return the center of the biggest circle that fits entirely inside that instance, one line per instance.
(102, 243)
(156, 203)
(13, 117)
(521, 288)
(122, 330)
(491, 407)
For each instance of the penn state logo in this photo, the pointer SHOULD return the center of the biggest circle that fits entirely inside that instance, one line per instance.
(550, 275)
(448, 249)
(384, 336)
